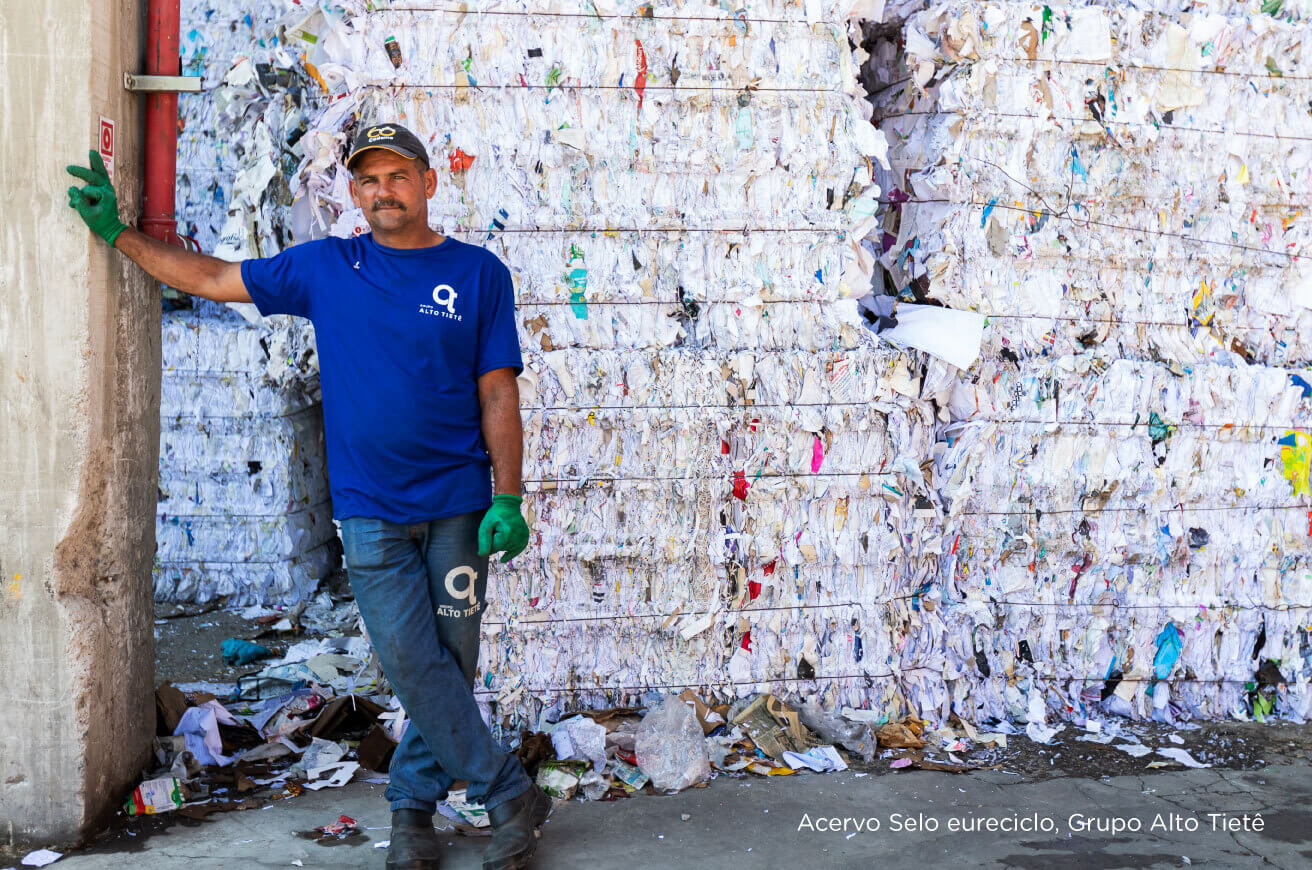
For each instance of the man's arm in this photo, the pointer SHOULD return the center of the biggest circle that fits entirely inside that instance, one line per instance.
(498, 394)
(503, 526)
(191, 273)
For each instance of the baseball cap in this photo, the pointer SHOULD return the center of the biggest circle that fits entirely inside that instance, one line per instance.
(391, 137)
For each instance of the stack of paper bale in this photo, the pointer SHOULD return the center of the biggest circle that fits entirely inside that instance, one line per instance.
(239, 138)
(244, 510)
(1124, 481)
(722, 463)
(1099, 502)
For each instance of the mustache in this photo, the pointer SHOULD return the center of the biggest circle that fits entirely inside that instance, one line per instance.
(387, 203)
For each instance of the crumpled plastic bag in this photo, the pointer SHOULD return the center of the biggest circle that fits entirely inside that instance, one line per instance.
(1169, 645)
(852, 736)
(580, 738)
(239, 652)
(669, 746)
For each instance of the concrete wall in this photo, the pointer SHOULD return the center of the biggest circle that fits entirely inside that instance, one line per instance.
(79, 392)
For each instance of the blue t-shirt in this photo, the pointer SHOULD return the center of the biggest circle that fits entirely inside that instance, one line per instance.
(403, 336)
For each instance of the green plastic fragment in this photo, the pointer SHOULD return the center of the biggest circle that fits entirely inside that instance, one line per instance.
(1158, 429)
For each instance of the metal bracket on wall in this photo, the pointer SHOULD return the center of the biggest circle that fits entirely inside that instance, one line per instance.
(161, 84)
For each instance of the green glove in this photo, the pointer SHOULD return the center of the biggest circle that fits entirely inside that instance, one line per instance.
(96, 202)
(503, 528)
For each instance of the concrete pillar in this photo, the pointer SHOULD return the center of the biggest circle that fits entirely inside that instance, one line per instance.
(79, 431)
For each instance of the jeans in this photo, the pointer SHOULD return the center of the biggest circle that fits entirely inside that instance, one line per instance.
(421, 592)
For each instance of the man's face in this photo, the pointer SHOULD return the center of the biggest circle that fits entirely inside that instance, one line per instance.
(392, 190)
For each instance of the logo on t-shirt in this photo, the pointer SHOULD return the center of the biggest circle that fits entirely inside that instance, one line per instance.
(444, 298)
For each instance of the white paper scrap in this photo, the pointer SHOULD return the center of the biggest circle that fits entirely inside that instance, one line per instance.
(1182, 756)
(821, 759)
(951, 335)
(339, 775)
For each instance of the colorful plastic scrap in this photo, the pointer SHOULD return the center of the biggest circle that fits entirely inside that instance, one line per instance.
(1296, 454)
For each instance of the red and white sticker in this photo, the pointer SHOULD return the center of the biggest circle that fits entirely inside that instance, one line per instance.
(107, 145)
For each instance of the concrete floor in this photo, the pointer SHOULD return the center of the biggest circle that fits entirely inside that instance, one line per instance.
(754, 822)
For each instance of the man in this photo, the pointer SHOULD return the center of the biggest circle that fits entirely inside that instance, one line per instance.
(418, 355)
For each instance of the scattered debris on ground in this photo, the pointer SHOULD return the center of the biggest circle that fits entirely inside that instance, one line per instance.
(316, 712)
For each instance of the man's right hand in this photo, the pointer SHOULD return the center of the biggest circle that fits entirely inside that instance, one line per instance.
(96, 202)
(181, 269)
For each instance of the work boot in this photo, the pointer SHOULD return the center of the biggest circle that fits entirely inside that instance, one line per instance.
(415, 845)
(514, 830)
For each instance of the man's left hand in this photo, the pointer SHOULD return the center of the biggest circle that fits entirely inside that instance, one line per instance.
(503, 528)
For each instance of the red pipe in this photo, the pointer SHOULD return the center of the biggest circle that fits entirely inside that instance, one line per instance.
(163, 20)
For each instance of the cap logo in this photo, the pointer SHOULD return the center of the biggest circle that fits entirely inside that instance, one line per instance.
(380, 133)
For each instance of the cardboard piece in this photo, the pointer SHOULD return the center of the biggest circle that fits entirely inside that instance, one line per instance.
(706, 717)
(770, 734)
(788, 717)
(350, 714)
(535, 748)
(375, 750)
(611, 717)
(920, 762)
(901, 735)
(170, 704)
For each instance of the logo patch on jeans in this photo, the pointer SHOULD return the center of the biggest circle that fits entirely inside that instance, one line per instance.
(469, 592)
